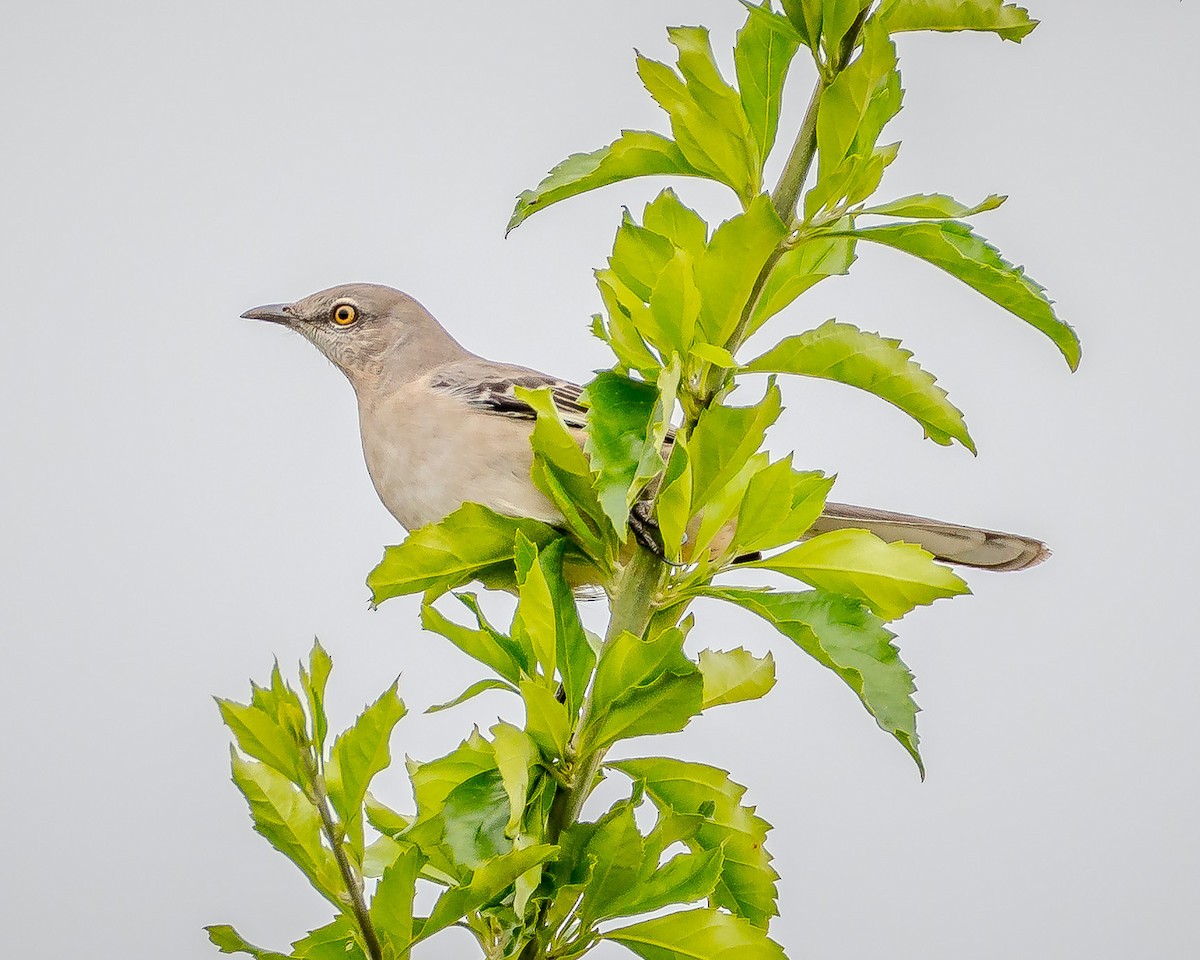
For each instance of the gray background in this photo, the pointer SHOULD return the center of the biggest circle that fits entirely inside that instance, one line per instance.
(184, 496)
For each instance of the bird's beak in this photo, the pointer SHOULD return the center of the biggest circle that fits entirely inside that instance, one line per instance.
(274, 312)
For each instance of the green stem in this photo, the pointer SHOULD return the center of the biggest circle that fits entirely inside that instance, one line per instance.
(349, 875)
(799, 161)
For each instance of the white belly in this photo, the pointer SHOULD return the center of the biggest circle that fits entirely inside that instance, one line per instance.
(428, 457)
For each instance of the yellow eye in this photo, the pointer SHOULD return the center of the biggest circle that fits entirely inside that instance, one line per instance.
(344, 314)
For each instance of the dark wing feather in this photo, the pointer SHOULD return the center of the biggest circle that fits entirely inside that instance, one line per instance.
(492, 387)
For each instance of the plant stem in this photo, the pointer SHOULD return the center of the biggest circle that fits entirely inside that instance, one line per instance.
(353, 883)
(791, 181)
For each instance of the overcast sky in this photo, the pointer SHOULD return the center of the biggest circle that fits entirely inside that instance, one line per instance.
(184, 498)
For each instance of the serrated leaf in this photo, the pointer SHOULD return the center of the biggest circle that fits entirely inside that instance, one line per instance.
(964, 254)
(392, 905)
(533, 623)
(636, 153)
(700, 934)
(724, 440)
(487, 882)
(932, 206)
(380, 854)
(383, 818)
(628, 316)
(779, 506)
(228, 940)
(800, 269)
(515, 756)
(474, 819)
(616, 851)
(733, 676)
(472, 543)
(842, 634)
(289, 822)
(726, 274)
(667, 216)
(546, 720)
(474, 690)
(761, 56)
(485, 644)
(334, 941)
(357, 755)
(879, 365)
(642, 687)
(857, 104)
(313, 681)
(259, 735)
(747, 884)
(673, 504)
(685, 878)
(1007, 20)
(891, 578)
(434, 780)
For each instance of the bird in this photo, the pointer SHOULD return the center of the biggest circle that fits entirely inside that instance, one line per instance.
(441, 426)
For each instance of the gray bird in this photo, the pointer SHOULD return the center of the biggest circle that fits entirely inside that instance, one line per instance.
(442, 427)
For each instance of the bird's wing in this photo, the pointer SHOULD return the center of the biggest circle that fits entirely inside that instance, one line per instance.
(952, 542)
(491, 387)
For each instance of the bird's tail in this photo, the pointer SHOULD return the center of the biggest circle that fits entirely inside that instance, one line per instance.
(952, 542)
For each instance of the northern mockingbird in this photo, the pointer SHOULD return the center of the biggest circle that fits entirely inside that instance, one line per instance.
(442, 427)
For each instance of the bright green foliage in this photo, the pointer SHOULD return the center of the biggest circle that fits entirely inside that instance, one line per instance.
(953, 246)
(841, 352)
(1007, 20)
(842, 634)
(664, 489)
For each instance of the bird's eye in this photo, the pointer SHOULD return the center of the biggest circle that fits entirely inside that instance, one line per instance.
(344, 314)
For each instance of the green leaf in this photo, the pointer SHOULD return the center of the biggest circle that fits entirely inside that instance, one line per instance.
(627, 424)
(890, 578)
(383, 818)
(747, 884)
(952, 246)
(639, 255)
(642, 687)
(486, 644)
(474, 690)
(334, 941)
(732, 676)
(313, 681)
(682, 226)
(628, 316)
(487, 882)
(762, 55)
(838, 18)
(380, 854)
(685, 878)
(616, 850)
(673, 504)
(359, 754)
(800, 269)
(546, 720)
(392, 906)
(674, 306)
(636, 153)
(474, 820)
(472, 543)
(932, 206)
(805, 16)
(533, 624)
(857, 104)
(700, 934)
(842, 634)
(841, 352)
(724, 440)
(707, 117)
(289, 822)
(259, 735)
(1007, 20)
(515, 756)
(726, 274)
(228, 940)
(780, 505)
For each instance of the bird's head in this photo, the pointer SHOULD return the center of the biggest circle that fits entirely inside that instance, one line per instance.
(365, 329)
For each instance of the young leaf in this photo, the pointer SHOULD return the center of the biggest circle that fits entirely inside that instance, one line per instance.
(682, 226)
(932, 206)
(472, 543)
(334, 941)
(841, 352)
(259, 735)
(392, 905)
(724, 440)
(891, 578)
(313, 681)
(952, 246)
(474, 690)
(636, 153)
(1007, 20)
(762, 55)
(700, 934)
(731, 676)
(546, 720)
(228, 940)
(487, 882)
(616, 850)
(515, 756)
(747, 884)
(642, 687)
(533, 624)
(726, 274)
(487, 645)
(850, 116)
(685, 878)
(473, 820)
(359, 754)
(842, 634)
(799, 269)
(779, 506)
(639, 255)
(674, 501)
(289, 822)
